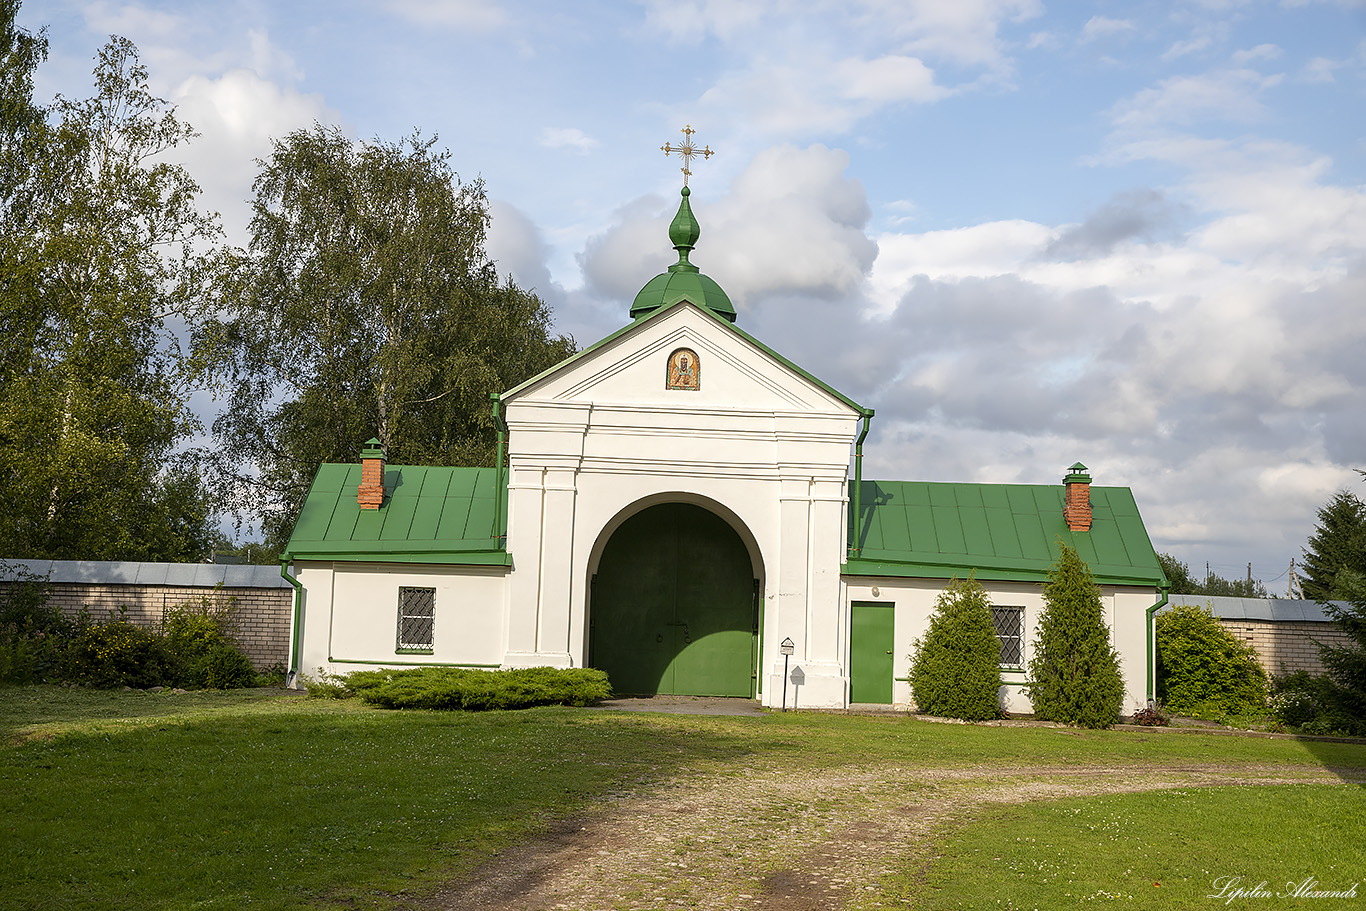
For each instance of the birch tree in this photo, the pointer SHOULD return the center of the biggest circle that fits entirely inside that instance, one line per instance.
(104, 254)
(365, 306)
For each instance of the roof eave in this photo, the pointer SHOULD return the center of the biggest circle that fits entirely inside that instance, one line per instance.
(928, 569)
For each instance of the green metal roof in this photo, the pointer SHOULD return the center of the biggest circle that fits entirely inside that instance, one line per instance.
(430, 515)
(1005, 532)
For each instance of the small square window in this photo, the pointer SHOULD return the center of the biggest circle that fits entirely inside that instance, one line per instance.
(1009, 623)
(416, 617)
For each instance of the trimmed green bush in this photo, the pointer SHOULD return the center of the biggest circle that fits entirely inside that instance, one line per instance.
(474, 690)
(1202, 670)
(1074, 674)
(955, 669)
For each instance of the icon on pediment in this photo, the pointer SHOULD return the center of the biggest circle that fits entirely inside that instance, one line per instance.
(685, 372)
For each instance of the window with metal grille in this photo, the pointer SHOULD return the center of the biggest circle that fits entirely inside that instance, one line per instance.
(1009, 623)
(416, 617)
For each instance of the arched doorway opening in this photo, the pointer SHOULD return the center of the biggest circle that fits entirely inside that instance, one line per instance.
(675, 606)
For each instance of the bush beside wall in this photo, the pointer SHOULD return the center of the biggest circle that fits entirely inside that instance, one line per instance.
(955, 669)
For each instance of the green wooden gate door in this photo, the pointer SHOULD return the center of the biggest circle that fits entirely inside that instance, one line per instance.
(870, 651)
(674, 607)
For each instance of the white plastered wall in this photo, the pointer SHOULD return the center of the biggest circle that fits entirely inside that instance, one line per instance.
(1125, 612)
(351, 615)
(759, 444)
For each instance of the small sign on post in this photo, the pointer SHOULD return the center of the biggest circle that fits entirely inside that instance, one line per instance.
(787, 648)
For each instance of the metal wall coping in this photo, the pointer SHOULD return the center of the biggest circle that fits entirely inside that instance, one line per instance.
(127, 572)
(1272, 610)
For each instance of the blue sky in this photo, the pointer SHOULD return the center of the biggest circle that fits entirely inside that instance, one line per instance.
(1027, 233)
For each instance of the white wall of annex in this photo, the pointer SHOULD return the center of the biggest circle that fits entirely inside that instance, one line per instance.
(351, 615)
(915, 599)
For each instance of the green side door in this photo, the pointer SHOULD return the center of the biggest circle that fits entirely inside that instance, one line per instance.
(870, 652)
(673, 606)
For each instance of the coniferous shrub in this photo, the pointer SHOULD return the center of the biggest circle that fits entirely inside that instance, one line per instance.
(1345, 665)
(1074, 673)
(472, 689)
(1202, 670)
(955, 669)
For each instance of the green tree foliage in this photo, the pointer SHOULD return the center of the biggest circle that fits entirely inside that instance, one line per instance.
(1338, 543)
(1074, 673)
(1183, 583)
(22, 124)
(1345, 665)
(366, 306)
(102, 250)
(1178, 574)
(1202, 670)
(955, 669)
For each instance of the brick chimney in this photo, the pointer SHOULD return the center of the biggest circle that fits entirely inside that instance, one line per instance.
(370, 494)
(1077, 503)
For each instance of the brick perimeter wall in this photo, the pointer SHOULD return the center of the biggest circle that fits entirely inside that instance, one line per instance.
(1287, 646)
(258, 618)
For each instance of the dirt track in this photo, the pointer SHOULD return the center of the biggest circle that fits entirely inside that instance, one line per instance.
(783, 840)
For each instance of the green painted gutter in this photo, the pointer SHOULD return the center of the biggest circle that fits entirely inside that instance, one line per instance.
(500, 481)
(1152, 649)
(867, 415)
(295, 655)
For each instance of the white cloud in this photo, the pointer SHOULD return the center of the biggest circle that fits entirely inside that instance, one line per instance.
(1227, 95)
(1103, 26)
(791, 223)
(567, 138)
(1260, 52)
(132, 19)
(888, 79)
(965, 32)
(1190, 46)
(238, 114)
(516, 246)
(692, 20)
(472, 14)
(1320, 69)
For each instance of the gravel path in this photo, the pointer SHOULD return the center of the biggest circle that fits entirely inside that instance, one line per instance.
(784, 840)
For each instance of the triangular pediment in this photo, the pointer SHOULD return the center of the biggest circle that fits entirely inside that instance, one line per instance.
(724, 369)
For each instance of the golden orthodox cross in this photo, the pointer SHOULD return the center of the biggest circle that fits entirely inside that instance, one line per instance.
(686, 151)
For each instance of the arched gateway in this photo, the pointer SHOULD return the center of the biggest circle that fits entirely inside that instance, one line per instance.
(675, 606)
(691, 422)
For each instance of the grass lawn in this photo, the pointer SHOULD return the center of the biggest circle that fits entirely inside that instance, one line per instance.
(257, 799)
(1167, 849)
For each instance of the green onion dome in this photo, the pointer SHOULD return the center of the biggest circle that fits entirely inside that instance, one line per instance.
(683, 281)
